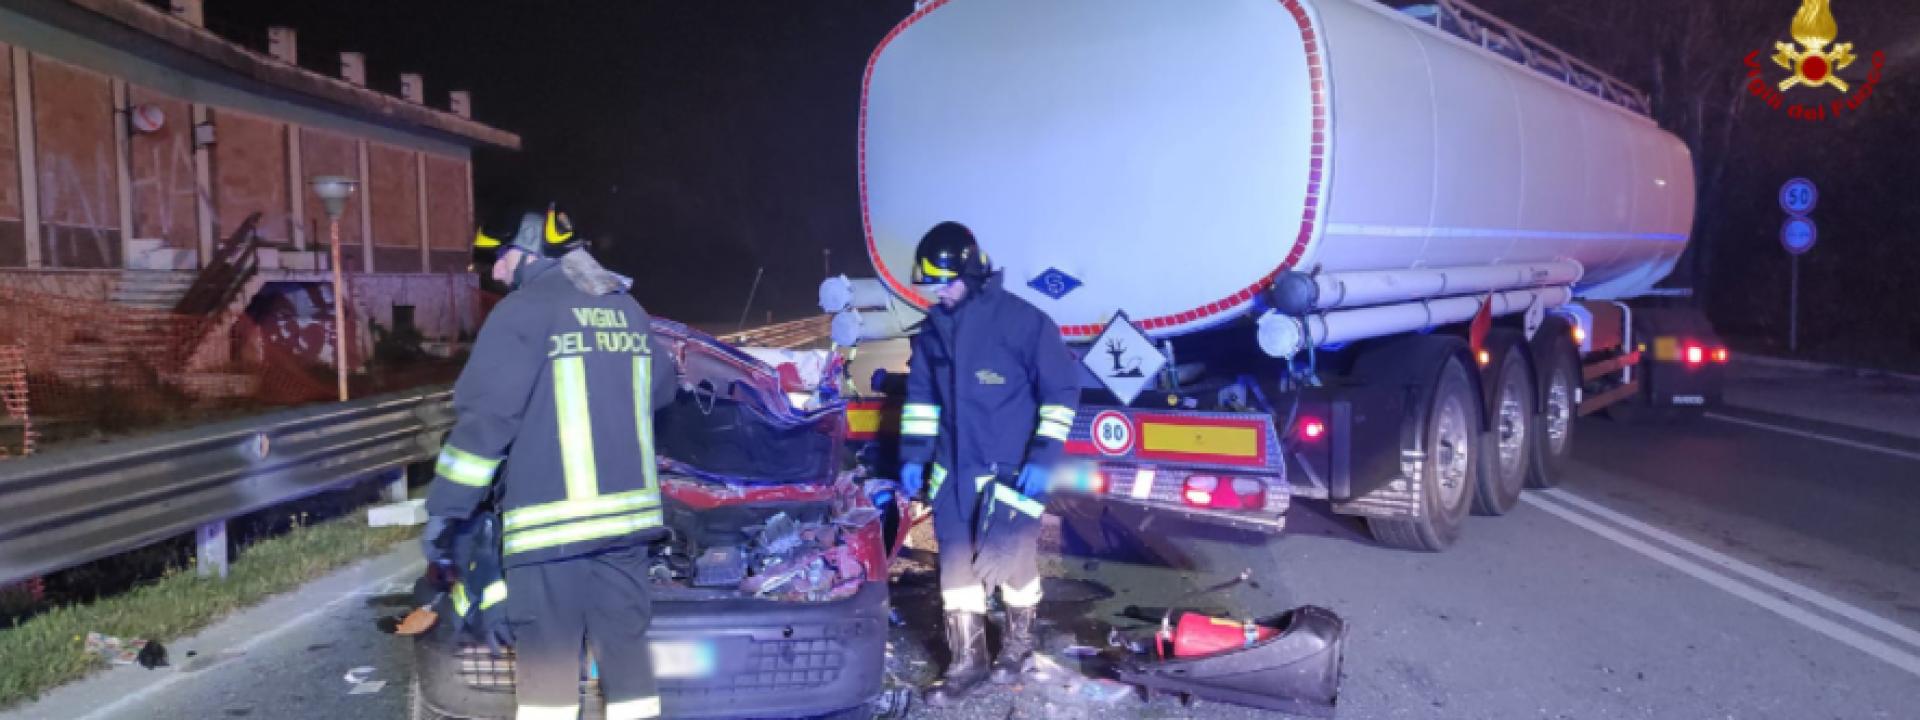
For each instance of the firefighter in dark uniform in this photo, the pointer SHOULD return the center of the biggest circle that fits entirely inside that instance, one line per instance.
(991, 395)
(554, 428)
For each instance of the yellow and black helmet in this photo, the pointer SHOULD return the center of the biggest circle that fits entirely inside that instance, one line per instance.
(547, 233)
(947, 253)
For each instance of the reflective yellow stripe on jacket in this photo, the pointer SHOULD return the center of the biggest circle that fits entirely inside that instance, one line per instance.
(464, 467)
(1056, 422)
(920, 420)
(586, 514)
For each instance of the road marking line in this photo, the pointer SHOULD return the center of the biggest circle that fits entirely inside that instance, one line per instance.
(1860, 641)
(1806, 594)
(1856, 444)
(412, 568)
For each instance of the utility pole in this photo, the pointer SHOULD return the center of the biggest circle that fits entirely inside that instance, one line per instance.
(762, 270)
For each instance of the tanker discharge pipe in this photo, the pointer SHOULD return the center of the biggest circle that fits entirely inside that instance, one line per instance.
(1284, 336)
(1297, 293)
(865, 311)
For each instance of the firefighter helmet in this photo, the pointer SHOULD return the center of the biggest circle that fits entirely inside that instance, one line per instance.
(543, 234)
(947, 253)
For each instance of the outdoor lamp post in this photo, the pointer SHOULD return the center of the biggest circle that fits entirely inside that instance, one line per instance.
(334, 191)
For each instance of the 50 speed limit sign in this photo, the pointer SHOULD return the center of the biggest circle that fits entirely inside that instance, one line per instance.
(1113, 433)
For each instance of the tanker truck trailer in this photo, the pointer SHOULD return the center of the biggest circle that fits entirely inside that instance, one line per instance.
(1335, 249)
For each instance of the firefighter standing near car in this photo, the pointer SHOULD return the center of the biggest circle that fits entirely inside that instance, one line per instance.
(991, 395)
(554, 428)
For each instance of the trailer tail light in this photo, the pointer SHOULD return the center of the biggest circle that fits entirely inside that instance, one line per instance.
(1222, 493)
(1695, 355)
(1312, 429)
(1720, 355)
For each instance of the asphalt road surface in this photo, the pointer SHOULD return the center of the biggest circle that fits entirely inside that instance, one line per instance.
(1747, 565)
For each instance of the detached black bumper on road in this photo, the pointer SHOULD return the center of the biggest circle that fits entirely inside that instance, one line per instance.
(768, 660)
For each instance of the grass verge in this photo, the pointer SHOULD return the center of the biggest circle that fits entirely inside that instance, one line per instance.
(48, 649)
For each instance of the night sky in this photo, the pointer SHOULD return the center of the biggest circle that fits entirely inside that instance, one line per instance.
(702, 140)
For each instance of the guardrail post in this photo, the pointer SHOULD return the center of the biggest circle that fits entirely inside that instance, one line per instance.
(212, 541)
(396, 488)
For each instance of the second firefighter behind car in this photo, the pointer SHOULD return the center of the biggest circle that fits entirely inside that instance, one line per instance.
(554, 429)
(991, 396)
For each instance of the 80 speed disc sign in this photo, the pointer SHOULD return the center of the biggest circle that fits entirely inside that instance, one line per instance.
(1113, 433)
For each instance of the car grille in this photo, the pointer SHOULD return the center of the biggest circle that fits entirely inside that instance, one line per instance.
(769, 665)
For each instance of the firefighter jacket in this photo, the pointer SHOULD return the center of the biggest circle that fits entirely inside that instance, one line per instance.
(990, 386)
(554, 421)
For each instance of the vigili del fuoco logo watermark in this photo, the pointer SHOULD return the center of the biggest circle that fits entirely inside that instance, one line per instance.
(1815, 61)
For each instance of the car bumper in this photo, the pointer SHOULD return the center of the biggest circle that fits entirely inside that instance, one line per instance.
(768, 659)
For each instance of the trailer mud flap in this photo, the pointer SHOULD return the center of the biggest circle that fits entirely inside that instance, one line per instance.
(1297, 671)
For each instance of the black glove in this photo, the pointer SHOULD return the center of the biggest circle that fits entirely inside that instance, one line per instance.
(436, 542)
(1008, 548)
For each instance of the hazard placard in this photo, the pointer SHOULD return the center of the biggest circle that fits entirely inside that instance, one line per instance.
(1124, 359)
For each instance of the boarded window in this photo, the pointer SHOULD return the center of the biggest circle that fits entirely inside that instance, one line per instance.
(161, 162)
(73, 131)
(395, 194)
(449, 213)
(324, 153)
(250, 175)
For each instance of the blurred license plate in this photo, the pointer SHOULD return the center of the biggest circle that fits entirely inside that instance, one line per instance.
(682, 659)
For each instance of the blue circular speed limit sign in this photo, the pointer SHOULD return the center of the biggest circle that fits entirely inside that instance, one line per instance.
(1798, 235)
(1798, 196)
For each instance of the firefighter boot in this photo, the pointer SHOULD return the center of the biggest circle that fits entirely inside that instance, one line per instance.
(1018, 646)
(967, 642)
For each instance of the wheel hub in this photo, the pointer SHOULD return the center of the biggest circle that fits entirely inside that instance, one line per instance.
(1559, 412)
(1513, 429)
(1452, 451)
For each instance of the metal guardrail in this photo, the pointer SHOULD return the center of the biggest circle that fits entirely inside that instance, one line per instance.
(67, 508)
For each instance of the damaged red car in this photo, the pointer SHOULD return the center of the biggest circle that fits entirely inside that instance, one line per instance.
(770, 594)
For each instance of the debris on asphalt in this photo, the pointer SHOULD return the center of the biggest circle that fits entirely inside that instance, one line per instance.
(114, 650)
(154, 655)
(893, 702)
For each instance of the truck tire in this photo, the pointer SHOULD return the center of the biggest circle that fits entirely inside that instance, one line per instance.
(1449, 435)
(1559, 407)
(1508, 456)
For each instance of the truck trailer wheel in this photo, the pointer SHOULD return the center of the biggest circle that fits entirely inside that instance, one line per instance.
(1559, 406)
(1508, 456)
(1449, 437)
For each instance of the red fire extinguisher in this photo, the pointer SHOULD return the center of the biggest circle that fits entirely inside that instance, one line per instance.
(1198, 635)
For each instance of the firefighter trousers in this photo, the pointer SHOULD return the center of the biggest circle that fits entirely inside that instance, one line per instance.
(598, 602)
(956, 520)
